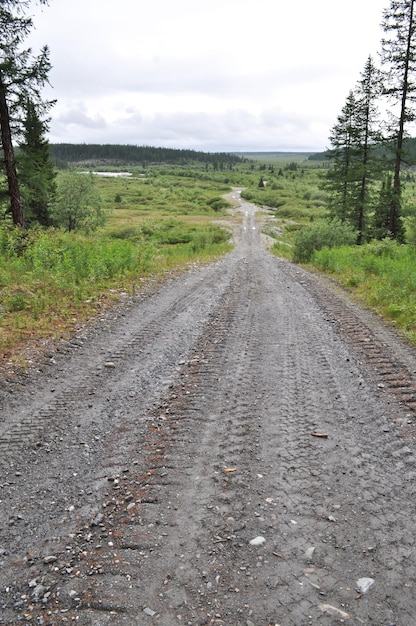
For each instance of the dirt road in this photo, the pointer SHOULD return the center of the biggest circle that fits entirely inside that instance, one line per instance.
(237, 447)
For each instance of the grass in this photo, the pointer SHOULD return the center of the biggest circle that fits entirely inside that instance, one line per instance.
(164, 218)
(382, 275)
(52, 281)
(61, 279)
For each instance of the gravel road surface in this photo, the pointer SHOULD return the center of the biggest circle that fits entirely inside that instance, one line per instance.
(234, 447)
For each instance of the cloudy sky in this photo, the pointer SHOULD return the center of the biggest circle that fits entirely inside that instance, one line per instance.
(258, 75)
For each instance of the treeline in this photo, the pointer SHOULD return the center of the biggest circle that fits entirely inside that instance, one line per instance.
(64, 154)
(379, 151)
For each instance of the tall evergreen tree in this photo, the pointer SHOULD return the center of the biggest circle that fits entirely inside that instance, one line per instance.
(342, 182)
(398, 56)
(35, 168)
(354, 162)
(368, 91)
(21, 77)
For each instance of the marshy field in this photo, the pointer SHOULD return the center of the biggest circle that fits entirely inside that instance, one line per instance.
(160, 219)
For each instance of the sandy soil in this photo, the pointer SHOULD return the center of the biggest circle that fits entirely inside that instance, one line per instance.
(235, 446)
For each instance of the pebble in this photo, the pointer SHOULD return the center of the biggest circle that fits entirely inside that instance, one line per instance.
(309, 553)
(38, 592)
(257, 541)
(149, 612)
(364, 584)
(333, 610)
(97, 519)
(50, 559)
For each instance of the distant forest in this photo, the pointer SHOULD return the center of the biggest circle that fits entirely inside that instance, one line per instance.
(64, 154)
(409, 152)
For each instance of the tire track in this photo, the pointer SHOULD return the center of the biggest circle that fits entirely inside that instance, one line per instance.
(391, 360)
(187, 473)
(243, 449)
(149, 344)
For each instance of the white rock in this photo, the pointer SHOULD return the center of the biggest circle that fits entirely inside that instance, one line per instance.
(49, 559)
(257, 541)
(309, 553)
(149, 612)
(333, 610)
(364, 584)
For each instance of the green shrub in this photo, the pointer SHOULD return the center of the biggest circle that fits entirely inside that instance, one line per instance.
(320, 234)
(16, 298)
(292, 213)
(204, 238)
(384, 248)
(218, 204)
(131, 233)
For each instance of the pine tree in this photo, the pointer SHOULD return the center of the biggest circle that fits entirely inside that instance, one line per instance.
(368, 90)
(35, 169)
(398, 56)
(342, 182)
(21, 77)
(355, 164)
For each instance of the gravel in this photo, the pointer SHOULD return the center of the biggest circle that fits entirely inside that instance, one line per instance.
(233, 446)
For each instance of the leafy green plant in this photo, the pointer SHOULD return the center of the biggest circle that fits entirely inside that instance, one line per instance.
(323, 233)
(382, 274)
(78, 204)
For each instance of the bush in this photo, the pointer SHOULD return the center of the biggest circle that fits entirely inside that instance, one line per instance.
(218, 204)
(384, 248)
(78, 204)
(411, 230)
(320, 234)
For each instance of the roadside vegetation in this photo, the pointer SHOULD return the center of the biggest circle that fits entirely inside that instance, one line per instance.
(382, 274)
(162, 218)
(51, 279)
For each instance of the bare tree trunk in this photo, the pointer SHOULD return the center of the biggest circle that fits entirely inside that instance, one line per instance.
(9, 160)
(396, 200)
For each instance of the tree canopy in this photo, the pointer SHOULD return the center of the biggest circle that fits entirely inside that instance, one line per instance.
(398, 57)
(22, 75)
(109, 154)
(365, 150)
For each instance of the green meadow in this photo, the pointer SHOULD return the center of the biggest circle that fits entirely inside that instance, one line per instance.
(157, 223)
(161, 219)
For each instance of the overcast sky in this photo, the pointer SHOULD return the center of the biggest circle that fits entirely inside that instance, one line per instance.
(258, 75)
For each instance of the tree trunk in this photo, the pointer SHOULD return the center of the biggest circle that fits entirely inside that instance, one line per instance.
(9, 160)
(394, 217)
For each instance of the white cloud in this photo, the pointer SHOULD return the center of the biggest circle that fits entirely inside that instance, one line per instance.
(227, 74)
(77, 116)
